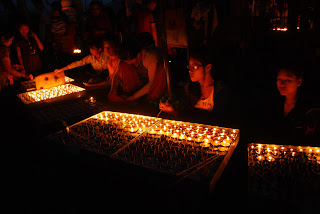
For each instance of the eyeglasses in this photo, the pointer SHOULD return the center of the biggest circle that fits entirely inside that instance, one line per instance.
(193, 67)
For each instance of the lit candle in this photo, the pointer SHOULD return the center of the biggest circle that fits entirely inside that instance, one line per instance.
(182, 136)
(205, 144)
(152, 131)
(76, 51)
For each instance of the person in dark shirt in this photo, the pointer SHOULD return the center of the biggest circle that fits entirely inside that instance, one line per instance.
(9, 72)
(98, 22)
(292, 113)
(27, 46)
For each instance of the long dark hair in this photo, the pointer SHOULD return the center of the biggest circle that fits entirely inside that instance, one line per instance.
(193, 89)
(129, 49)
(7, 32)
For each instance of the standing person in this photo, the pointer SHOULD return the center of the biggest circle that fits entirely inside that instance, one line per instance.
(202, 98)
(62, 35)
(146, 19)
(9, 72)
(27, 46)
(149, 64)
(98, 23)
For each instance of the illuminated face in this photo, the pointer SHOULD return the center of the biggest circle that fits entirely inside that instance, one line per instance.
(108, 49)
(95, 51)
(196, 70)
(95, 10)
(152, 6)
(7, 42)
(24, 29)
(287, 83)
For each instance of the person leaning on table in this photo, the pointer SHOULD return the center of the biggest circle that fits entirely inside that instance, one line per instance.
(9, 72)
(98, 60)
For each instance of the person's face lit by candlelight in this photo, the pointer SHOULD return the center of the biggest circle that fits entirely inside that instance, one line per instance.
(7, 41)
(95, 10)
(109, 49)
(197, 70)
(95, 51)
(288, 83)
(23, 30)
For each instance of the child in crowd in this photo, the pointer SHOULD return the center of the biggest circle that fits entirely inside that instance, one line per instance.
(27, 46)
(9, 72)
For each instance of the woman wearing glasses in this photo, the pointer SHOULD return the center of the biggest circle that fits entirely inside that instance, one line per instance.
(202, 95)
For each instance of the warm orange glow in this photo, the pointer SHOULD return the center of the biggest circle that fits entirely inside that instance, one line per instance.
(271, 152)
(77, 51)
(280, 29)
(45, 94)
(68, 79)
(177, 130)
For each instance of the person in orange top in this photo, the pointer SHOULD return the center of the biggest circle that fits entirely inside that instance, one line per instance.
(147, 59)
(146, 20)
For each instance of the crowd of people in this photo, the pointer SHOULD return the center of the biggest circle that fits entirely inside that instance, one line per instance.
(127, 60)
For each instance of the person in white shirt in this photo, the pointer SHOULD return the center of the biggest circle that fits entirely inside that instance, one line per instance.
(203, 97)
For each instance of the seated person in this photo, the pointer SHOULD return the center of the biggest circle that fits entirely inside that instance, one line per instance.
(149, 64)
(9, 72)
(202, 98)
(291, 114)
(99, 61)
(124, 77)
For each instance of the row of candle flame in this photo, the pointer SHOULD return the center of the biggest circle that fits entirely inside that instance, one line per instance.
(45, 94)
(204, 134)
(270, 152)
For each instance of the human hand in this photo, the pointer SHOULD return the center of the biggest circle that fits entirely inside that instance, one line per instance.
(28, 76)
(10, 78)
(18, 67)
(166, 107)
(33, 35)
(85, 84)
(130, 99)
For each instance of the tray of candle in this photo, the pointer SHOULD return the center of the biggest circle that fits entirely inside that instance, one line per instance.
(181, 149)
(31, 84)
(60, 92)
(283, 172)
